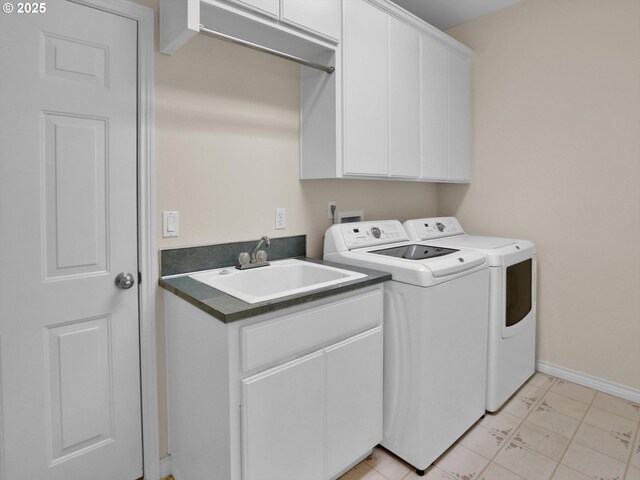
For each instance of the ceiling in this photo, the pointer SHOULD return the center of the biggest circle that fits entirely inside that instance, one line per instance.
(443, 14)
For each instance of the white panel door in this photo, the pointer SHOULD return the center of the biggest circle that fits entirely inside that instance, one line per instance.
(69, 348)
(404, 104)
(366, 145)
(283, 422)
(354, 399)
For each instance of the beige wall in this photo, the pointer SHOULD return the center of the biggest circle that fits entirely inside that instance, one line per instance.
(556, 146)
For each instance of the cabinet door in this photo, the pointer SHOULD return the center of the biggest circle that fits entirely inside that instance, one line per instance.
(434, 65)
(283, 421)
(322, 16)
(354, 399)
(365, 146)
(269, 7)
(459, 117)
(404, 104)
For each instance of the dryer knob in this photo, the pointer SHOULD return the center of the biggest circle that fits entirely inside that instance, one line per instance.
(375, 231)
(440, 226)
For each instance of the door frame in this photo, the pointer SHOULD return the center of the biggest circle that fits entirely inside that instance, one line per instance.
(147, 264)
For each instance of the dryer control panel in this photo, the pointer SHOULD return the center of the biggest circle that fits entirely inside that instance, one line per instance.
(430, 228)
(366, 234)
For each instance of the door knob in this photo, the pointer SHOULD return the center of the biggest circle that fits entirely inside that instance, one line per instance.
(124, 280)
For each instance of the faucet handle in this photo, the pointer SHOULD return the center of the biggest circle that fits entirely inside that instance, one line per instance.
(244, 258)
(261, 256)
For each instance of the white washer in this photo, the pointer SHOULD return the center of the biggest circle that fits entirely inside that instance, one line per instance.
(512, 301)
(435, 330)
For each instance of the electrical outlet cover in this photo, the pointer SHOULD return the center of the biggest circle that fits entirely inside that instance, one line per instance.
(329, 213)
(281, 218)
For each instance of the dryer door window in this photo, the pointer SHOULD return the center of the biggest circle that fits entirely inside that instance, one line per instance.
(519, 291)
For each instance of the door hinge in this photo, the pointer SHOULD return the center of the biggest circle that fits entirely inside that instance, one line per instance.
(139, 278)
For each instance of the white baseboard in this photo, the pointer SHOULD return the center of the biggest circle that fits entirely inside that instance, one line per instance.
(165, 466)
(606, 386)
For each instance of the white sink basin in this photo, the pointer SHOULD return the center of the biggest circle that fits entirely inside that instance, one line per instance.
(281, 278)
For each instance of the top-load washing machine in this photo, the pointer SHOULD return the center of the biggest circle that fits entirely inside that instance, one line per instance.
(435, 332)
(512, 303)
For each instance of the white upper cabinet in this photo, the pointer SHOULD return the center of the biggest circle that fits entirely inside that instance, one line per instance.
(322, 16)
(302, 28)
(319, 16)
(365, 96)
(269, 7)
(397, 106)
(434, 93)
(380, 91)
(404, 105)
(459, 117)
(445, 106)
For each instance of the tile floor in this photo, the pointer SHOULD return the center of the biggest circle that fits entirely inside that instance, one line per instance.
(551, 429)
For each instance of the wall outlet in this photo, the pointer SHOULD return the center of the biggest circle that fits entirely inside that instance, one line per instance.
(281, 218)
(331, 214)
(170, 224)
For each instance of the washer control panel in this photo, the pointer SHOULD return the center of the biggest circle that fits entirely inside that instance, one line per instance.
(365, 234)
(429, 228)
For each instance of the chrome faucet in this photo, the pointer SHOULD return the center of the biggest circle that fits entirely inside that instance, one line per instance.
(257, 258)
(267, 243)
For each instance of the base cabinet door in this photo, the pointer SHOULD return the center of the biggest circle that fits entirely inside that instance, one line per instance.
(282, 419)
(329, 401)
(354, 398)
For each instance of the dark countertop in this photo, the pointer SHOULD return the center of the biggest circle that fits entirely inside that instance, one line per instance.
(230, 309)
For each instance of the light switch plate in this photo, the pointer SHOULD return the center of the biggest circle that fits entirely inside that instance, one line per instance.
(170, 224)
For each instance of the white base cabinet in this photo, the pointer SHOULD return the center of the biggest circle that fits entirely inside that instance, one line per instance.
(287, 395)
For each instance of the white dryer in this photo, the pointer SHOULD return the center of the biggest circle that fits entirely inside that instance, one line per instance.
(435, 330)
(512, 301)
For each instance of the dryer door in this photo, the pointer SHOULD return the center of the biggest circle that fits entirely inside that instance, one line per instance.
(519, 294)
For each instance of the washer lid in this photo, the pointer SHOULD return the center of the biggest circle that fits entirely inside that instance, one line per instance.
(424, 273)
(415, 251)
(477, 241)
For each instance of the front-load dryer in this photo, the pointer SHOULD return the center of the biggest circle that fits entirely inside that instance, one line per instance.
(512, 301)
(435, 334)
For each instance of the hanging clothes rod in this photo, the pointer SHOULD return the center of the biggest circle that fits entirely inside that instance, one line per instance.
(260, 48)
